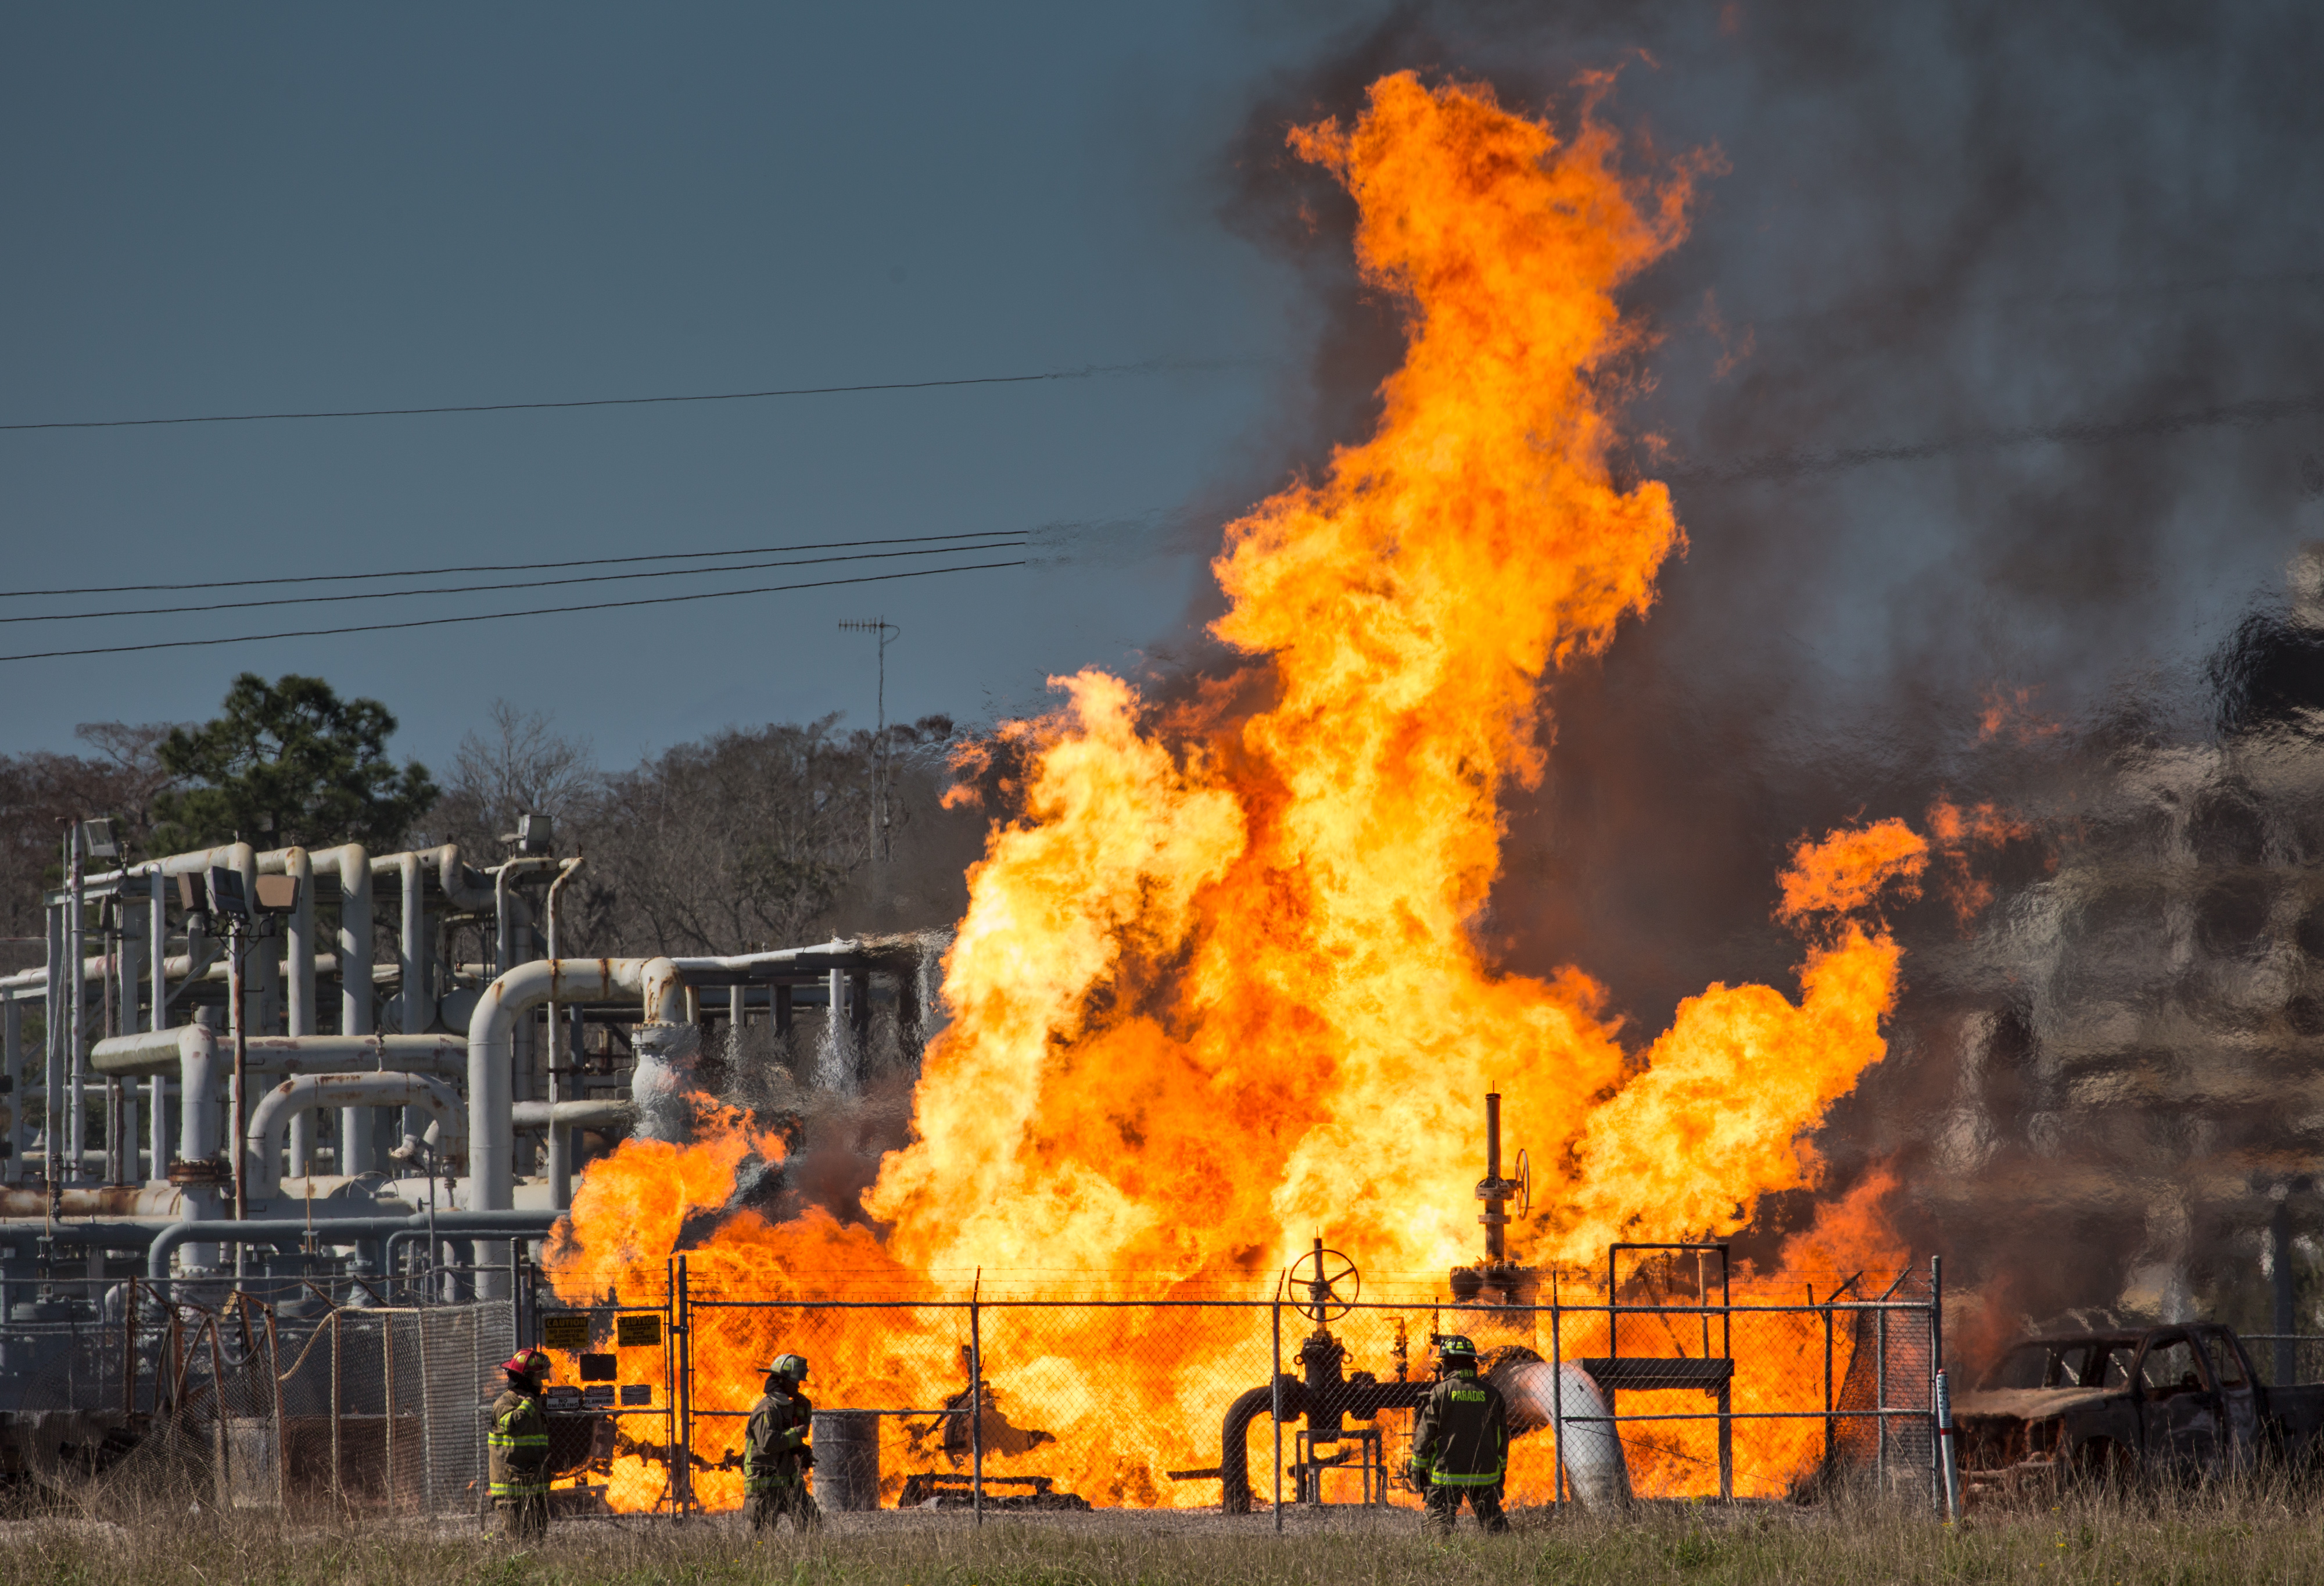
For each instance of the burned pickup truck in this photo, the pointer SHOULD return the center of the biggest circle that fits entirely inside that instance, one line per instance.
(2180, 1401)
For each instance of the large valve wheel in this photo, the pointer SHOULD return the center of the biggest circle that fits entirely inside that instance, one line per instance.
(1525, 1184)
(1330, 1283)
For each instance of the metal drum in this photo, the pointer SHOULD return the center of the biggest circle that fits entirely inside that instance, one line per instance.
(846, 1459)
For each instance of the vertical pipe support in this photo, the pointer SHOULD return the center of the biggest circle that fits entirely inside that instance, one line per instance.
(53, 1038)
(12, 1055)
(299, 991)
(418, 1006)
(157, 955)
(357, 1151)
(76, 1012)
(299, 866)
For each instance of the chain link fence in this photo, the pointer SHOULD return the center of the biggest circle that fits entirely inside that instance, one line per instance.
(2284, 1359)
(1015, 1401)
(1004, 1396)
(616, 1437)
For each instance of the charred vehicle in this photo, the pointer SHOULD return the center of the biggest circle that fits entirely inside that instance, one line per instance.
(2180, 1401)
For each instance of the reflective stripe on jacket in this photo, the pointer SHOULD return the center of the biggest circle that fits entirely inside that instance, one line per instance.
(518, 1446)
(1460, 1438)
(774, 1440)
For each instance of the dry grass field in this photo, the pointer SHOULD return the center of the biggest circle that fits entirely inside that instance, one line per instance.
(2243, 1533)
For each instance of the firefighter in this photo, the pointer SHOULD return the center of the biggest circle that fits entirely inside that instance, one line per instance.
(1461, 1441)
(776, 1458)
(519, 1448)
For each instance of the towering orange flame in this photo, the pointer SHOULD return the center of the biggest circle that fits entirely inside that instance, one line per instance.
(1217, 990)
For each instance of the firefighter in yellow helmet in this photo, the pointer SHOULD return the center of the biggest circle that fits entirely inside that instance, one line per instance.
(776, 1458)
(518, 1448)
(1461, 1441)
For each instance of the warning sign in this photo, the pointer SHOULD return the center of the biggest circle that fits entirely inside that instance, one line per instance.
(564, 1329)
(636, 1331)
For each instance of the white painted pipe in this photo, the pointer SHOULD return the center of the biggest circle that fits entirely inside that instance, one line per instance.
(561, 1137)
(300, 866)
(1587, 1440)
(602, 1113)
(354, 964)
(157, 1052)
(302, 1094)
(419, 1008)
(299, 981)
(492, 1047)
(74, 1014)
(491, 1053)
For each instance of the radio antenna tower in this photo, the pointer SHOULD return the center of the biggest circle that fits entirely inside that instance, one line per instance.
(882, 843)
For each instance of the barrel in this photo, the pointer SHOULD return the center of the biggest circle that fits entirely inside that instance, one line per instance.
(846, 1459)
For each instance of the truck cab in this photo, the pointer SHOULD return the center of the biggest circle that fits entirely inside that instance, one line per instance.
(2180, 1400)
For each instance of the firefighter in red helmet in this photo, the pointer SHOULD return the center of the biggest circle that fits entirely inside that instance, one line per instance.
(519, 1448)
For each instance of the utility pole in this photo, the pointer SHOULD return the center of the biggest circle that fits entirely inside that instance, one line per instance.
(882, 841)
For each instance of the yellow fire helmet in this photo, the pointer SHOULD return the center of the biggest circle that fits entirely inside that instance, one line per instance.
(791, 1367)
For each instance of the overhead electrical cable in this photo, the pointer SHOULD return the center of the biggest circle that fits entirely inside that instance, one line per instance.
(1086, 372)
(1011, 542)
(374, 627)
(1791, 465)
(435, 572)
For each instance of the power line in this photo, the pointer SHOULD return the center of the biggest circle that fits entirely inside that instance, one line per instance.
(432, 573)
(1086, 372)
(374, 627)
(1012, 539)
(1791, 465)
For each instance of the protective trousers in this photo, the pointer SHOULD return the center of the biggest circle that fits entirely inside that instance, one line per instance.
(524, 1518)
(772, 1498)
(1444, 1503)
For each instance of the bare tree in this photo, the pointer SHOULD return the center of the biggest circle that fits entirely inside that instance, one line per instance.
(520, 765)
(744, 840)
(42, 791)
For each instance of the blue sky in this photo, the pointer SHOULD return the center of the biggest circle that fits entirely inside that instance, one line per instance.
(1931, 222)
(227, 209)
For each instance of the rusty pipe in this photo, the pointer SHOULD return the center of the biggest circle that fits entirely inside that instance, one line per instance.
(492, 1055)
(492, 1047)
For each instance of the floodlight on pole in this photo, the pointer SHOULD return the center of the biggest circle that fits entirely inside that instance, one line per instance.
(882, 844)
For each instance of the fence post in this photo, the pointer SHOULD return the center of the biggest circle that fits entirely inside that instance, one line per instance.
(976, 1396)
(1880, 1388)
(338, 1409)
(1274, 1382)
(1830, 1424)
(1557, 1385)
(217, 1398)
(129, 1348)
(1938, 1429)
(387, 1397)
(681, 1456)
(428, 1431)
(281, 1432)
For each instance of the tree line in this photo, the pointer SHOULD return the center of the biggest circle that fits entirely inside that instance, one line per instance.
(752, 837)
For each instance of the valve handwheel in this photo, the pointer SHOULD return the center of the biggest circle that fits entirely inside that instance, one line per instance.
(1525, 1184)
(1331, 1282)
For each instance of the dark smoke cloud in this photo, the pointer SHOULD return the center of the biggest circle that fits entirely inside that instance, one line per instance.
(1989, 377)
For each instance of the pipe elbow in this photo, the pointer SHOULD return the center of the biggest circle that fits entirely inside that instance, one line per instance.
(660, 994)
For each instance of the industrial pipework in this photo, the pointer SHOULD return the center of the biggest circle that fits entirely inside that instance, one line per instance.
(450, 1044)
